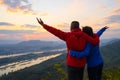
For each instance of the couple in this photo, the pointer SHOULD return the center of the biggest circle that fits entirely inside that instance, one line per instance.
(82, 48)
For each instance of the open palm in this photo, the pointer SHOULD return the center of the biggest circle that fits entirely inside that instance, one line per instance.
(40, 21)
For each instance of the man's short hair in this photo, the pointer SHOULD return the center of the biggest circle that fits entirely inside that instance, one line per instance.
(74, 24)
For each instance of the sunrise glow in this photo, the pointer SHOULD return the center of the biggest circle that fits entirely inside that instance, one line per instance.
(18, 17)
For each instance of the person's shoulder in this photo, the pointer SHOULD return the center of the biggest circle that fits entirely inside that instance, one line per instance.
(95, 35)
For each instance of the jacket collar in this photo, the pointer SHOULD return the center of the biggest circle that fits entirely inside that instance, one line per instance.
(76, 30)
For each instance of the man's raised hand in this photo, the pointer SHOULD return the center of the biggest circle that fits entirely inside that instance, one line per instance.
(40, 21)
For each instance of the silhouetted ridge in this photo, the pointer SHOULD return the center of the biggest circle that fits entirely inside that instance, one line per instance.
(35, 43)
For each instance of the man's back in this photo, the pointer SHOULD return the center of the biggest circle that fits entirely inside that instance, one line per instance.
(77, 45)
(73, 40)
(76, 41)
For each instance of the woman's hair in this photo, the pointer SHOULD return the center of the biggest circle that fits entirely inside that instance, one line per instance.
(88, 30)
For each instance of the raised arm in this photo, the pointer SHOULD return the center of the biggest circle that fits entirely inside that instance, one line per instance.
(60, 34)
(80, 54)
(102, 30)
(95, 41)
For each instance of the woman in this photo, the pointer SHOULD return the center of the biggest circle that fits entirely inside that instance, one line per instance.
(94, 58)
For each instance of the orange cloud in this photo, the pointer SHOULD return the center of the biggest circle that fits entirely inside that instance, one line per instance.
(118, 0)
(43, 14)
(18, 6)
(62, 26)
(115, 11)
(36, 36)
(112, 20)
(3, 35)
(15, 6)
(8, 37)
(103, 8)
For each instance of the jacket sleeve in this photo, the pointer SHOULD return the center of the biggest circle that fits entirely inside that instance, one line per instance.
(101, 31)
(80, 54)
(94, 41)
(60, 34)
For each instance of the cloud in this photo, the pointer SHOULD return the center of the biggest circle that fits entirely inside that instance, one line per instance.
(6, 24)
(18, 5)
(8, 37)
(113, 19)
(24, 35)
(15, 32)
(29, 26)
(35, 36)
(118, 0)
(23, 6)
(62, 26)
(3, 35)
(116, 11)
(103, 8)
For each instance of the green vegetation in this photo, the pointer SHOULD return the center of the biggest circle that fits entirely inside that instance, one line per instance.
(111, 54)
(112, 74)
(59, 73)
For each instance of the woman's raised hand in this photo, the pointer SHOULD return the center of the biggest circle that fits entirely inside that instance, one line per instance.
(106, 27)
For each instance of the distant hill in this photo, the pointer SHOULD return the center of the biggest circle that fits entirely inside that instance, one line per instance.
(39, 43)
(34, 43)
(111, 53)
(30, 46)
(104, 42)
(55, 69)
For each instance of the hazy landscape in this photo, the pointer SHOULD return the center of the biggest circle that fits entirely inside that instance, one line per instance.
(39, 60)
(29, 52)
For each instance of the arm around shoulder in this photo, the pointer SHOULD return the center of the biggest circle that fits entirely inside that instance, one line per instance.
(80, 54)
(93, 40)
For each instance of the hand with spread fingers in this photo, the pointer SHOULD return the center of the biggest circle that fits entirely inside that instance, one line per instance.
(40, 21)
(106, 27)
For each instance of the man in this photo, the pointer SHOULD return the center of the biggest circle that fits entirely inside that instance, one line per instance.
(75, 40)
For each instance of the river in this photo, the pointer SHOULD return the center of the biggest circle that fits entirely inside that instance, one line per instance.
(11, 67)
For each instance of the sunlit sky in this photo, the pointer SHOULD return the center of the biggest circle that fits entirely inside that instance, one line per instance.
(18, 17)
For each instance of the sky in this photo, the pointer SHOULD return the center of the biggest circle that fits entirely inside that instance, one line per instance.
(18, 17)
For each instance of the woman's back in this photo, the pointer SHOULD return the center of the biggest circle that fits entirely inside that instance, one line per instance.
(92, 52)
(94, 58)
